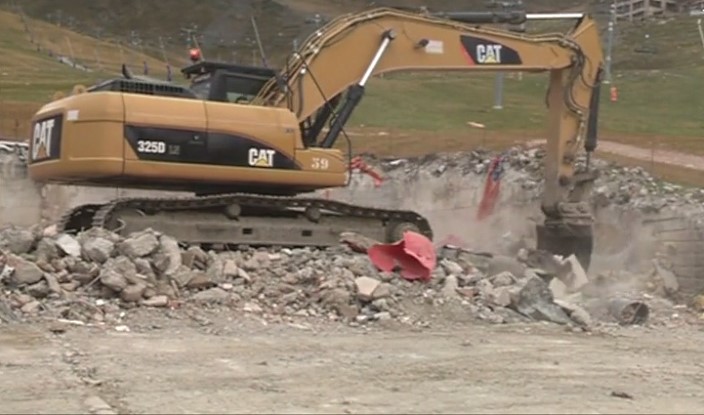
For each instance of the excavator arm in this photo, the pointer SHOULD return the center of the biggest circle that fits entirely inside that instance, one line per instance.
(337, 61)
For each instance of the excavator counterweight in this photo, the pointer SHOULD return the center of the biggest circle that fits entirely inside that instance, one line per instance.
(249, 142)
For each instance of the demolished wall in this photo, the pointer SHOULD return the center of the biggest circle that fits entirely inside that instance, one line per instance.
(629, 204)
(636, 215)
(24, 202)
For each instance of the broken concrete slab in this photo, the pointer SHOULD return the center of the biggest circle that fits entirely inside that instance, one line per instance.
(168, 247)
(18, 241)
(503, 279)
(156, 301)
(200, 280)
(451, 267)
(450, 286)
(69, 245)
(113, 280)
(535, 300)
(24, 272)
(97, 249)
(576, 313)
(572, 274)
(133, 293)
(365, 287)
(558, 288)
(212, 296)
(501, 296)
(666, 278)
(230, 269)
(383, 290)
(139, 244)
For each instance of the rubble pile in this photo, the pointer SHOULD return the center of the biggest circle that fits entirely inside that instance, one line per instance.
(626, 187)
(97, 275)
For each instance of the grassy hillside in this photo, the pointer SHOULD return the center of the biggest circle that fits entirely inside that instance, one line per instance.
(32, 59)
(658, 88)
(31, 72)
(649, 102)
(223, 25)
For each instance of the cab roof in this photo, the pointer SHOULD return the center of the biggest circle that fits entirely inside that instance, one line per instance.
(204, 67)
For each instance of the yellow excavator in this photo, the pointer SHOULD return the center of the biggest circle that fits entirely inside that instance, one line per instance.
(247, 142)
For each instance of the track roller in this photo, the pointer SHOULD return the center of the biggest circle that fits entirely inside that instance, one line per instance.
(396, 230)
(313, 214)
(233, 211)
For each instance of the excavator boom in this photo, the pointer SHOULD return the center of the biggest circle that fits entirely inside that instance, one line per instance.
(341, 57)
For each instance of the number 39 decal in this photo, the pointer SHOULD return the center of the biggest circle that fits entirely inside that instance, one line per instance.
(320, 163)
(155, 147)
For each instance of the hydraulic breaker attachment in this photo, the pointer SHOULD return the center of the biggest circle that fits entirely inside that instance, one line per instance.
(565, 240)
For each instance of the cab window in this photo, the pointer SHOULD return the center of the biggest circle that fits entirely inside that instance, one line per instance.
(242, 88)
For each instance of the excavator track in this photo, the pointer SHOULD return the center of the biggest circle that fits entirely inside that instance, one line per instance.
(246, 219)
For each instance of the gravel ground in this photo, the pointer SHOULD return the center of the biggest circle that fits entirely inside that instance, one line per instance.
(234, 365)
(104, 324)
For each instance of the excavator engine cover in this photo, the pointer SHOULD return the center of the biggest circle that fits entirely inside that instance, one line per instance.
(566, 240)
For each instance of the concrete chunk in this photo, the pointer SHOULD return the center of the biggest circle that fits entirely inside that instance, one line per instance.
(500, 296)
(450, 287)
(17, 241)
(113, 280)
(535, 300)
(69, 245)
(365, 287)
(212, 296)
(575, 277)
(156, 301)
(133, 293)
(98, 249)
(139, 244)
(666, 277)
(25, 272)
(172, 254)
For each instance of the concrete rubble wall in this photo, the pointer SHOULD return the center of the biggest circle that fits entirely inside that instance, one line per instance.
(38, 274)
(634, 213)
(20, 198)
(449, 201)
(446, 189)
(682, 242)
(25, 203)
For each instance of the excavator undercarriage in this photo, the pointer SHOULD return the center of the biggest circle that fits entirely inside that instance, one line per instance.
(246, 219)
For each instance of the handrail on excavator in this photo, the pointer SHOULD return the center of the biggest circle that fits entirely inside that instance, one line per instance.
(507, 17)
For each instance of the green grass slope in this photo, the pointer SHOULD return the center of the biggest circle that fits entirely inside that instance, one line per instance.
(29, 76)
(658, 83)
(32, 72)
(649, 103)
(224, 25)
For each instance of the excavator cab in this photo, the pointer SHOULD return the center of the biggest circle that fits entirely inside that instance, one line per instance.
(226, 82)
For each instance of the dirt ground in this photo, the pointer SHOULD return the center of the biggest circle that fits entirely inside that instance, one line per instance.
(212, 361)
(176, 364)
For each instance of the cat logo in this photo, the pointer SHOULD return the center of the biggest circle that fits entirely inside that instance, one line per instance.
(489, 53)
(261, 157)
(41, 140)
